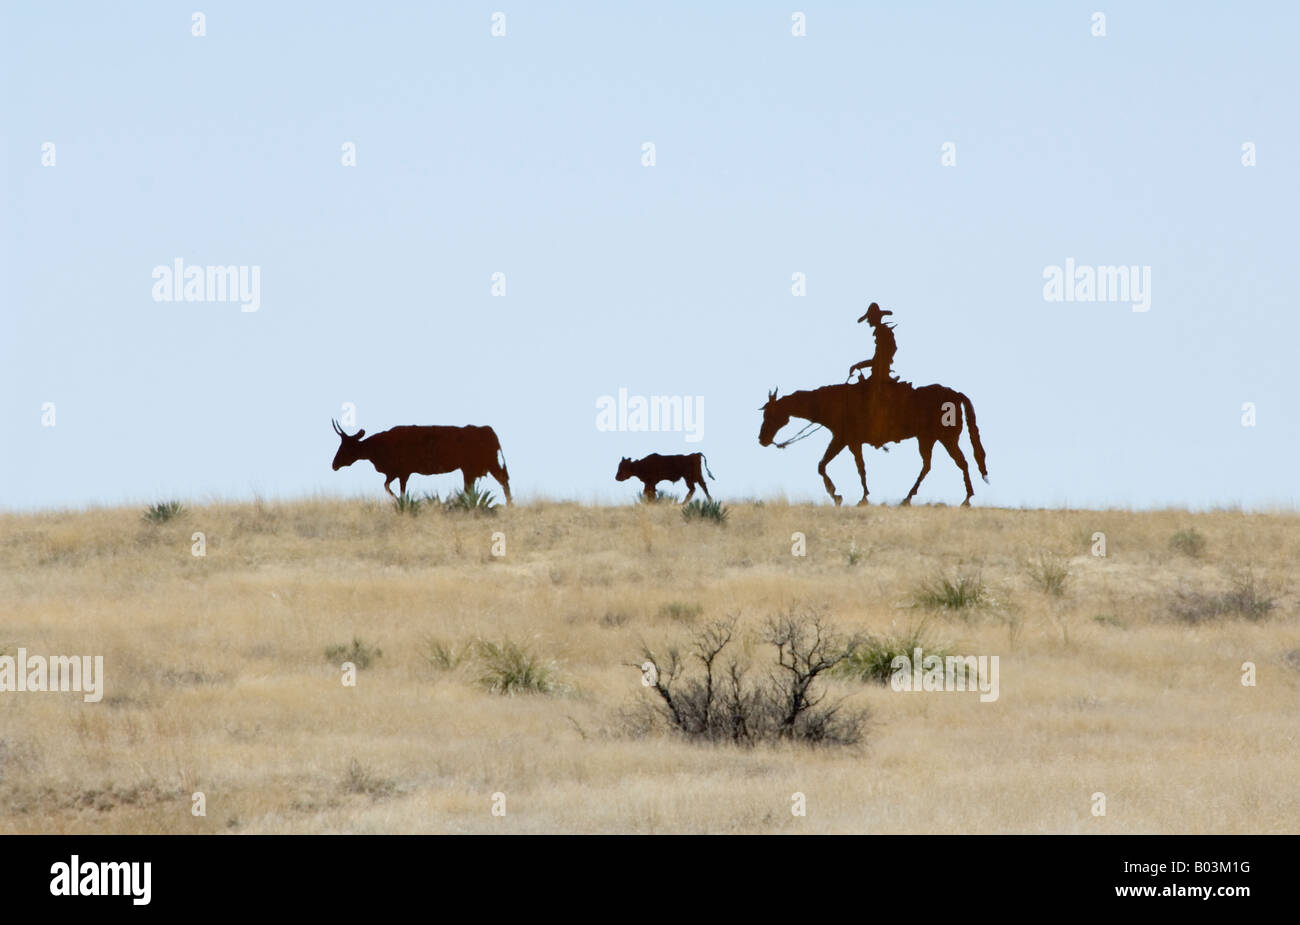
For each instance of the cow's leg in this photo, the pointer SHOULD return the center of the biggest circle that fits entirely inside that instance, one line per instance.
(705, 486)
(402, 482)
(954, 450)
(388, 481)
(499, 473)
(831, 452)
(649, 491)
(862, 473)
(926, 447)
(690, 484)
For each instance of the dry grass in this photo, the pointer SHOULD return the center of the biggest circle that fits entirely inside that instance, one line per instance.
(217, 680)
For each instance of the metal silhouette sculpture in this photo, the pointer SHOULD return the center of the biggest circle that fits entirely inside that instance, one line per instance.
(878, 410)
(401, 452)
(653, 469)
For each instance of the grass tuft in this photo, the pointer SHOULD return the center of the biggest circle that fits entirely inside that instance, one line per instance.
(705, 510)
(359, 654)
(509, 668)
(1190, 542)
(163, 511)
(955, 592)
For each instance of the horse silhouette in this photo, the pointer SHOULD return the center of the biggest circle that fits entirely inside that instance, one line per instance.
(878, 413)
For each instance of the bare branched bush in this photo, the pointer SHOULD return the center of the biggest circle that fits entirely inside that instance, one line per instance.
(710, 692)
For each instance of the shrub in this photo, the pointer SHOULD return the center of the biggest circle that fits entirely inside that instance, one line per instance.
(358, 654)
(359, 779)
(446, 656)
(471, 501)
(709, 694)
(1246, 598)
(705, 510)
(163, 511)
(954, 593)
(1189, 542)
(509, 668)
(1050, 573)
(855, 555)
(680, 611)
(872, 658)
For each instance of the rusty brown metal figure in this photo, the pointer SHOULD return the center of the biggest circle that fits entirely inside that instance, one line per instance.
(653, 469)
(401, 452)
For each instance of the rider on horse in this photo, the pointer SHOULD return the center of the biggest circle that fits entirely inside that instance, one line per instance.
(882, 390)
(881, 364)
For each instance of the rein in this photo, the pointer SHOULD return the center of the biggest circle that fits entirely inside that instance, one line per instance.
(805, 432)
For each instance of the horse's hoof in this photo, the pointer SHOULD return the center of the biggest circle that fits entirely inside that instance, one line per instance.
(906, 502)
(838, 500)
(863, 503)
(966, 503)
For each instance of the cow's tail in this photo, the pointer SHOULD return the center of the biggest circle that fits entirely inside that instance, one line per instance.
(706, 467)
(501, 453)
(974, 436)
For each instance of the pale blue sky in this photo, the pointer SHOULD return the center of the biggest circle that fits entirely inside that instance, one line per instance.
(522, 155)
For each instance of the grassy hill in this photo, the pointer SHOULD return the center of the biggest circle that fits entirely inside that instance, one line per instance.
(1119, 675)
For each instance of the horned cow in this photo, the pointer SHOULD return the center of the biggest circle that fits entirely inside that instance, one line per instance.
(400, 452)
(653, 469)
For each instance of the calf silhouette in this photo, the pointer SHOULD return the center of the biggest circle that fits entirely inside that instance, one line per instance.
(402, 452)
(653, 469)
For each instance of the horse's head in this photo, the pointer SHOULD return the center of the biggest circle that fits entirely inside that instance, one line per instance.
(774, 418)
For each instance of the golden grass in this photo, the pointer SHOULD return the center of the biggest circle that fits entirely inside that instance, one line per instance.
(216, 678)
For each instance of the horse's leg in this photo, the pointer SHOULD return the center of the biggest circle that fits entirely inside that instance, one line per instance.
(862, 472)
(927, 447)
(954, 450)
(831, 452)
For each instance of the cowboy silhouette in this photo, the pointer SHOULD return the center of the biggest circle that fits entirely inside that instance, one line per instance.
(882, 363)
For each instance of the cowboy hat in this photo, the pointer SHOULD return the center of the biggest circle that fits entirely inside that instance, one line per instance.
(874, 314)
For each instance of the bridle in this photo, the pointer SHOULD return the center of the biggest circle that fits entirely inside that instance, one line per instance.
(804, 432)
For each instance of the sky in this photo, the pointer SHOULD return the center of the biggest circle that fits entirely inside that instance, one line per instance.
(936, 158)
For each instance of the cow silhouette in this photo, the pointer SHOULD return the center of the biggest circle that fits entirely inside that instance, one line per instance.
(653, 469)
(409, 450)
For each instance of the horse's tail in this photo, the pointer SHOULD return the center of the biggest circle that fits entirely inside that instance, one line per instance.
(974, 436)
(706, 467)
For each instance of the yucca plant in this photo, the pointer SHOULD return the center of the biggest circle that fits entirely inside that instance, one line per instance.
(163, 511)
(660, 497)
(411, 504)
(471, 501)
(952, 593)
(871, 657)
(509, 668)
(705, 510)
